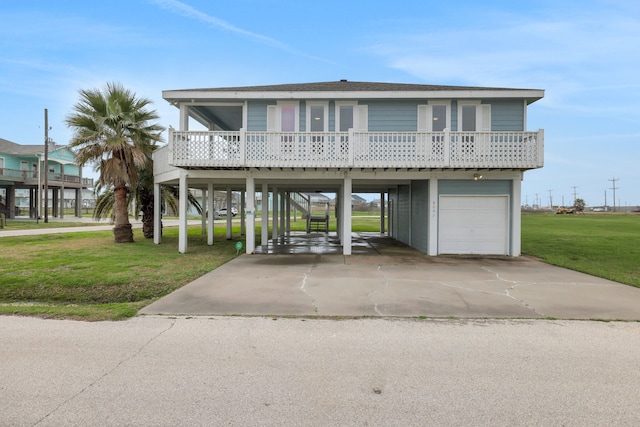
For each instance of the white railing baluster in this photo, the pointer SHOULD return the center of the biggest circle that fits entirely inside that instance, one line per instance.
(356, 149)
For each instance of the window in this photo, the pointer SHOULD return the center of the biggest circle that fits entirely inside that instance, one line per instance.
(468, 118)
(439, 118)
(316, 116)
(345, 113)
(474, 116)
(434, 117)
(288, 118)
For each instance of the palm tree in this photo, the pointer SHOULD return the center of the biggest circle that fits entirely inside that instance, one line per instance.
(142, 199)
(113, 129)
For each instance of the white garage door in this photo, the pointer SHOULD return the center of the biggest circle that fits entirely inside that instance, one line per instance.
(474, 225)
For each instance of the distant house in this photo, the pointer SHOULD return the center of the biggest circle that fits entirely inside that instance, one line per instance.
(447, 161)
(22, 180)
(357, 200)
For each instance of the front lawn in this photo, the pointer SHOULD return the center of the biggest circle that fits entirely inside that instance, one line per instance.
(84, 275)
(603, 245)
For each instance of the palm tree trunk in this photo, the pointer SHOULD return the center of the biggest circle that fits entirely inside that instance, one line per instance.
(145, 195)
(122, 231)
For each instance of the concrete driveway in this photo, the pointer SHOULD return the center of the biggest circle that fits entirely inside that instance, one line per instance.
(399, 281)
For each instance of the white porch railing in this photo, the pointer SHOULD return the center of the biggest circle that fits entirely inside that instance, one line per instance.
(218, 149)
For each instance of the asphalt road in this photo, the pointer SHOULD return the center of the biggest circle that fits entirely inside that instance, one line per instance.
(269, 371)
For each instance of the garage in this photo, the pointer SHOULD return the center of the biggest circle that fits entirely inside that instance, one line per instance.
(473, 225)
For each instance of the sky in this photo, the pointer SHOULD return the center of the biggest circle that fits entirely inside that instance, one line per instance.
(584, 54)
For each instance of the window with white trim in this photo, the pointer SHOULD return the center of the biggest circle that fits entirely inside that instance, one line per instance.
(317, 117)
(435, 116)
(474, 116)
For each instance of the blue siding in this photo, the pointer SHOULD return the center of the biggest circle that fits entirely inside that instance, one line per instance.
(393, 116)
(471, 187)
(257, 115)
(398, 115)
(404, 213)
(419, 215)
(302, 124)
(332, 116)
(454, 115)
(393, 212)
(506, 115)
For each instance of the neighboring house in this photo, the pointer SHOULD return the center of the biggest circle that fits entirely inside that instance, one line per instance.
(448, 161)
(22, 180)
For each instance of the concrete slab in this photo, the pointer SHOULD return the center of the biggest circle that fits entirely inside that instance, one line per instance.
(404, 284)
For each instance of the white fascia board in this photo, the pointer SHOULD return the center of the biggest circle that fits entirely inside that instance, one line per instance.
(180, 96)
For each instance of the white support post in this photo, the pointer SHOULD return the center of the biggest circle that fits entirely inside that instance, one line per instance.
(242, 215)
(182, 214)
(229, 215)
(516, 220)
(184, 117)
(287, 216)
(432, 244)
(265, 215)
(203, 214)
(274, 213)
(382, 213)
(157, 215)
(346, 226)
(251, 215)
(282, 212)
(210, 213)
(339, 215)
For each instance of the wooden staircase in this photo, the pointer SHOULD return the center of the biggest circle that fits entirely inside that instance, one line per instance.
(316, 223)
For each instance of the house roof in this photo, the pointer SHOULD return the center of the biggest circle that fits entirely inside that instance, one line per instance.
(15, 149)
(345, 85)
(344, 89)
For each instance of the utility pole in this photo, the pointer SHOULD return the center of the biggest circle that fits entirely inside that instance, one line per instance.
(550, 199)
(46, 165)
(614, 188)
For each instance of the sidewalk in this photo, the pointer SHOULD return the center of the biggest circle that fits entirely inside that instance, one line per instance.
(99, 226)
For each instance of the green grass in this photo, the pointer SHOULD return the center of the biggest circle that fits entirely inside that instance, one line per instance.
(34, 225)
(603, 245)
(84, 275)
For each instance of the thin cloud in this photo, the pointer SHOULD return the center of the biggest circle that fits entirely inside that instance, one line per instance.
(187, 11)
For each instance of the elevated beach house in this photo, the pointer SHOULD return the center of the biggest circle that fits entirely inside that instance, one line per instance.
(447, 161)
(23, 172)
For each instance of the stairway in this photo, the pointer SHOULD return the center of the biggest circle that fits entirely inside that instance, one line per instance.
(316, 223)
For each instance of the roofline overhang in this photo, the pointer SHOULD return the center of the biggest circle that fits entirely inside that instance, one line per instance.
(196, 96)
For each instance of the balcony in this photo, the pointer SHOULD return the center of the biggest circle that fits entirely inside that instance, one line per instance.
(423, 150)
(30, 177)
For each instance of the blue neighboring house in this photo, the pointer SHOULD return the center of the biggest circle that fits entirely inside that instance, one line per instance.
(447, 161)
(22, 171)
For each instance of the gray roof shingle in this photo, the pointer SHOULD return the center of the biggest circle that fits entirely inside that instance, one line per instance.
(9, 147)
(345, 85)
